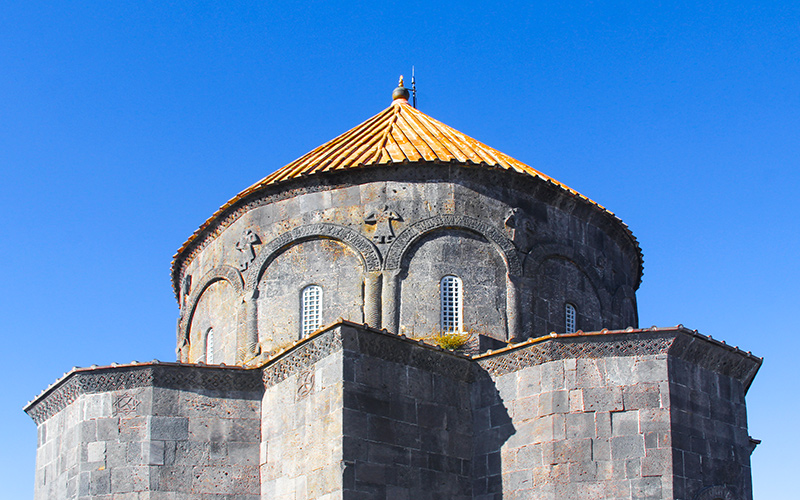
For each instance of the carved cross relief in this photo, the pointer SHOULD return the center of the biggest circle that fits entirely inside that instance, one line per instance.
(384, 232)
(245, 247)
(522, 230)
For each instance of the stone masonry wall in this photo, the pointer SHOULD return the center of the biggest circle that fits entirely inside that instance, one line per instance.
(577, 428)
(114, 433)
(407, 421)
(353, 413)
(709, 432)
(301, 423)
(57, 455)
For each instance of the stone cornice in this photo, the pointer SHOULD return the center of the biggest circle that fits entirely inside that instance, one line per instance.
(676, 341)
(155, 374)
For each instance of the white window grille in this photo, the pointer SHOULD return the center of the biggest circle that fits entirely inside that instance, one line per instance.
(569, 312)
(311, 309)
(210, 347)
(450, 292)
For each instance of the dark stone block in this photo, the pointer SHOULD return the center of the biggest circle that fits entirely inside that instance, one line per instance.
(494, 484)
(387, 454)
(370, 473)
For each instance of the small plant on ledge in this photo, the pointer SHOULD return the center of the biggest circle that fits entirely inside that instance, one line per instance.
(451, 340)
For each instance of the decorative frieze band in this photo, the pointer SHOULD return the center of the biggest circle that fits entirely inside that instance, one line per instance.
(392, 348)
(131, 377)
(301, 357)
(581, 347)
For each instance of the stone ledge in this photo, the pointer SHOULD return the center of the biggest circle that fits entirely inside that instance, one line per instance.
(92, 380)
(675, 341)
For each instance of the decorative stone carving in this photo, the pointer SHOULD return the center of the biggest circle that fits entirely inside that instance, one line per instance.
(365, 248)
(125, 404)
(411, 234)
(543, 352)
(718, 492)
(305, 383)
(302, 357)
(522, 230)
(244, 246)
(130, 377)
(382, 219)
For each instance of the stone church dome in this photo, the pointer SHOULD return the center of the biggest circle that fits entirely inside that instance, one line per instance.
(406, 224)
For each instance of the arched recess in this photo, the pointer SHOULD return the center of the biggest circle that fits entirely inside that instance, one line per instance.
(367, 253)
(331, 267)
(215, 303)
(557, 282)
(541, 253)
(227, 273)
(412, 233)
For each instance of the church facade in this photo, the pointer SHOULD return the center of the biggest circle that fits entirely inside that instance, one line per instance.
(405, 312)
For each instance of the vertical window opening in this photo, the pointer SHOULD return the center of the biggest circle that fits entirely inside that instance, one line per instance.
(210, 346)
(310, 310)
(450, 292)
(570, 314)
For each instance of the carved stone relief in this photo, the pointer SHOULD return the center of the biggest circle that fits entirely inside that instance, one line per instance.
(382, 219)
(246, 252)
(522, 230)
(366, 249)
(411, 234)
(125, 404)
(305, 383)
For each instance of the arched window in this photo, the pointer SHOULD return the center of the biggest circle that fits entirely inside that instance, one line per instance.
(210, 346)
(450, 293)
(310, 310)
(570, 315)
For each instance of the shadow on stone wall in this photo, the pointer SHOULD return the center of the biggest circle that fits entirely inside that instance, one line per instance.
(492, 427)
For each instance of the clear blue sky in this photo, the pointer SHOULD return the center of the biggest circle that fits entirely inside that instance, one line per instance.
(124, 125)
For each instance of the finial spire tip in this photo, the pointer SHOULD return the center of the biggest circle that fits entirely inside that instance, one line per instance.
(400, 92)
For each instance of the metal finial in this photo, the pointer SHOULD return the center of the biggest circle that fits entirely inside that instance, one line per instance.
(400, 92)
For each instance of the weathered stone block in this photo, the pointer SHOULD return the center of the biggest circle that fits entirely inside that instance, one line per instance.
(627, 447)
(169, 428)
(96, 452)
(624, 422)
(553, 402)
(602, 399)
(579, 425)
(641, 396)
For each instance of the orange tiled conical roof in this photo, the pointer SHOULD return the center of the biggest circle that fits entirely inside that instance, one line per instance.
(400, 134)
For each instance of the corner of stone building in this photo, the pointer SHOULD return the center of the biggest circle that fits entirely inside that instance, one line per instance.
(710, 440)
